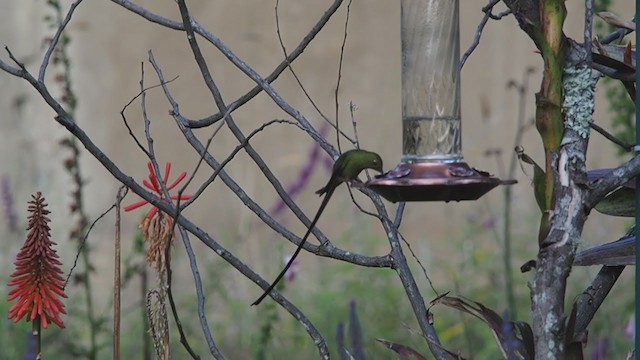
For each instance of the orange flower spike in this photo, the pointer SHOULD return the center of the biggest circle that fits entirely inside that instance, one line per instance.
(37, 283)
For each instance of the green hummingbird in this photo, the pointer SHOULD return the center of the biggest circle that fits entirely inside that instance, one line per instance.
(346, 168)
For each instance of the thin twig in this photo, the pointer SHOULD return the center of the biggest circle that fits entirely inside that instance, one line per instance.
(476, 40)
(213, 348)
(117, 276)
(124, 108)
(55, 39)
(414, 296)
(176, 25)
(147, 134)
(326, 251)
(167, 198)
(615, 35)
(183, 188)
(230, 157)
(521, 127)
(424, 270)
(84, 240)
(215, 92)
(354, 124)
(617, 177)
(251, 73)
(623, 144)
(340, 62)
(297, 78)
(202, 154)
(399, 212)
(172, 303)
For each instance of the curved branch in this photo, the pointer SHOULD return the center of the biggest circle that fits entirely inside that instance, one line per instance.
(487, 10)
(236, 61)
(55, 39)
(213, 348)
(616, 178)
(416, 300)
(327, 250)
(590, 300)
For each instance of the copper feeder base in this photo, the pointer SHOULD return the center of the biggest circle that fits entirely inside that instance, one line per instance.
(434, 181)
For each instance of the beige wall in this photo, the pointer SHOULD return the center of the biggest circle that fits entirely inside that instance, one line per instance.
(109, 43)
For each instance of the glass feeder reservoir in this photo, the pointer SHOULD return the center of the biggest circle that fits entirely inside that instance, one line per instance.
(432, 166)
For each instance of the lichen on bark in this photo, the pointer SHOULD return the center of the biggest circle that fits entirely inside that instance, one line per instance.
(578, 85)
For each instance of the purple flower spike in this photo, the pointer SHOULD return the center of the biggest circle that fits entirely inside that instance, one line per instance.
(8, 204)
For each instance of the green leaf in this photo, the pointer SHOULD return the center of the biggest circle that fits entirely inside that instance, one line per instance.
(539, 181)
(539, 186)
(620, 202)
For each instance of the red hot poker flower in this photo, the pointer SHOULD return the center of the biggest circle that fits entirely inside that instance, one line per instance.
(156, 227)
(37, 279)
(153, 184)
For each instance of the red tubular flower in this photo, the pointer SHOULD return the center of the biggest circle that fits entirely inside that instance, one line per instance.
(37, 279)
(154, 185)
(156, 227)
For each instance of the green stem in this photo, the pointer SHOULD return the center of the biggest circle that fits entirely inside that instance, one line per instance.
(93, 351)
(549, 120)
(37, 334)
(508, 199)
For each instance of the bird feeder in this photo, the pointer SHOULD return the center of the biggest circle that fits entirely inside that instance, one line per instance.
(432, 166)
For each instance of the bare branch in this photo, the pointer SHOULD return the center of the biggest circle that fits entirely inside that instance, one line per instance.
(487, 10)
(213, 348)
(337, 90)
(10, 69)
(395, 260)
(215, 92)
(588, 29)
(616, 178)
(124, 108)
(295, 76)
(590, 300)
(328, 250)
(117, 277)
(84, 240)
(230, 157)
(174, 309)
(614, 35)
(400, 263)
(65, 120)
(416, 300)
(623, 144)
(235, 60)
(55, 39)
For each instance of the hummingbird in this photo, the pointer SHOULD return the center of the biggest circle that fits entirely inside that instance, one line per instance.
(346, 168)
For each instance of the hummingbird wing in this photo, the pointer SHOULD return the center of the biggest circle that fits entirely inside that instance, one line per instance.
(337, 174)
